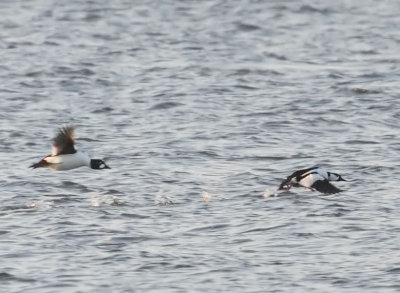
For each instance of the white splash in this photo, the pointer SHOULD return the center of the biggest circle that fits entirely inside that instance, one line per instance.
(206, 197)
(162, 199)
(271, 192)
(97, 200)
(40, 205)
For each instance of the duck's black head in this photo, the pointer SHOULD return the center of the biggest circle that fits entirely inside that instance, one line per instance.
(98, 164)
(286, 184)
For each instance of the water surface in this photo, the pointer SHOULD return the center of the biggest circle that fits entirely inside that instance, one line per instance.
(190, 100)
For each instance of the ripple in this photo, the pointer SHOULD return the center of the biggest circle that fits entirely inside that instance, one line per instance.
(134, 216)
(364, 91)
(361, 142)
(263, 229)
(246, 27)
(312, 9)
(75, 186)
(9, 277)
(103, 110)
(166, 105)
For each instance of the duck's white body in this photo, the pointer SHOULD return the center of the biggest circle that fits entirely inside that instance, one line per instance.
(67, 162)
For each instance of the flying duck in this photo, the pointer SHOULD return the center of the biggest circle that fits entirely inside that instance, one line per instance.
(64, 156)
(312, 178)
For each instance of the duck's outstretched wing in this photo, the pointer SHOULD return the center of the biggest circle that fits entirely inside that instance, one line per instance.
(325, 186)
(63, 143)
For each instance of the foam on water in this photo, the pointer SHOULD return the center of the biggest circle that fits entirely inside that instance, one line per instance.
(206, 197)
(272, 192)
(161, 198)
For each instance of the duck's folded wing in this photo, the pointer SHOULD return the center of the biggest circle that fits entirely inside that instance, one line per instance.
(63, 143)
(325, 186)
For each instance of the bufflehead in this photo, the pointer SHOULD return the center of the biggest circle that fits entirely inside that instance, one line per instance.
(312, 178)
(64, 156)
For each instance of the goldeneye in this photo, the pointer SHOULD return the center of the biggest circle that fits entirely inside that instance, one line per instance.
(312, 178)
(64, 156)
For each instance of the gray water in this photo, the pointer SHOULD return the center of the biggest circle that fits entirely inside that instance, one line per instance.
(200, 108)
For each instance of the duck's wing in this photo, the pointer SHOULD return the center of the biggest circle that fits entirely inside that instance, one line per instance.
(325, 186)
(63, 143)
(41, 163)
(298, 174)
